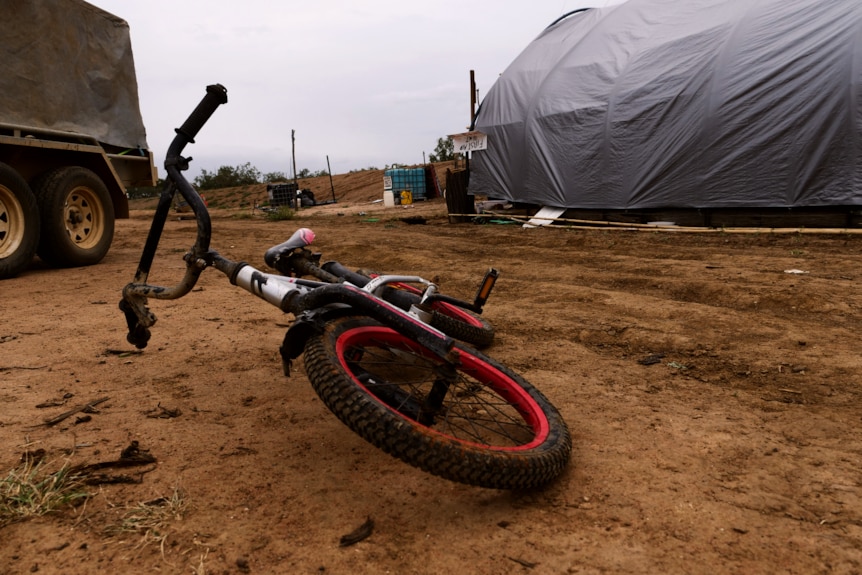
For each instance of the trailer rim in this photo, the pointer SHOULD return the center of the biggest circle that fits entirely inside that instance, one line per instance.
(12, 222)
(84, 217)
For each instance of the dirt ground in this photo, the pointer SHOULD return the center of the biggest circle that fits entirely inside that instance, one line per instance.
(713, 399)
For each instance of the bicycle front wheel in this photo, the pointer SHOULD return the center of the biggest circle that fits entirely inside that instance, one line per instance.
(475, 422)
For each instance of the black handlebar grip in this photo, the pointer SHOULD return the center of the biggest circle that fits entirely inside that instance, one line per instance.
(216, 96)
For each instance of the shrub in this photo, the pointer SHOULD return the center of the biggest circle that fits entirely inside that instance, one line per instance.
(228, 177)
(280, 213)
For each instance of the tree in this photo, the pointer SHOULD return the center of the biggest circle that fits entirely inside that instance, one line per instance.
(147, 191)
(306, 173)
(275, 177)
(444, 151)
(228, 177)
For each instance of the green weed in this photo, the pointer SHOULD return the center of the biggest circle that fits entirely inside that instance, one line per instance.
(29, 490)
(280, 214)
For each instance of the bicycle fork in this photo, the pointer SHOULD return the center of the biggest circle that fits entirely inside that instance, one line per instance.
(446, 376)
(426, 410)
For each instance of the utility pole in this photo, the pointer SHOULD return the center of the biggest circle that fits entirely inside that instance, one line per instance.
(472, 97)
(293, 154)
(331, 185)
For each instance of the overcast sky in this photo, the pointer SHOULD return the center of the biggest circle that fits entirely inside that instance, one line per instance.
(369, 83)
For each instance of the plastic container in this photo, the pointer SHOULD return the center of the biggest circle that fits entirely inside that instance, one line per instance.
(388, 199)
(412, 180)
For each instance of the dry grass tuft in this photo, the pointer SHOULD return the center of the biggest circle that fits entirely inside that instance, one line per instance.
(29, 490)
(150, 520)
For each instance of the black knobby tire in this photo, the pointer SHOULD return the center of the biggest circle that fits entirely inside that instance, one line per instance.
(19, 223)
(452, 320)
(77, 217)
(493, 429)
(461, 324)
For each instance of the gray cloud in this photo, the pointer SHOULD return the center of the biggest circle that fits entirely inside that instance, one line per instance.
(368, 84)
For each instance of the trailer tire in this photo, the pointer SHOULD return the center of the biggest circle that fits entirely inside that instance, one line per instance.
(77, 217)
(19, 223)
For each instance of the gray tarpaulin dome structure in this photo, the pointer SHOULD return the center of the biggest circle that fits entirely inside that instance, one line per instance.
(668, 104)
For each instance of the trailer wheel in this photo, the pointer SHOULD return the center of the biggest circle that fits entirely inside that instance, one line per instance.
(77, 217)
(19, 223)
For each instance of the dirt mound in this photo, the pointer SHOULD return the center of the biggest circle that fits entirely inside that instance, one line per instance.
(360, 187)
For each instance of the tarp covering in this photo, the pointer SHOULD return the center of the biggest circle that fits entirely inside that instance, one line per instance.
(695, 104)
(67, 65)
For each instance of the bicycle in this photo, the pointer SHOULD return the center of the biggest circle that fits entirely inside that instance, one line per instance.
(401, 384)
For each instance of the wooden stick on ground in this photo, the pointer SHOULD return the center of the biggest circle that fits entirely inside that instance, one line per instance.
(83, 407)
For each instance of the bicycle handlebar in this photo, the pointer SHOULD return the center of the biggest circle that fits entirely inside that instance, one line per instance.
(216, 96)
(134, 302)
(174, 164)
(300, 238)
(135, 294)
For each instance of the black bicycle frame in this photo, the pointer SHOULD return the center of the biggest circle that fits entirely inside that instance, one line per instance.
(294, 296)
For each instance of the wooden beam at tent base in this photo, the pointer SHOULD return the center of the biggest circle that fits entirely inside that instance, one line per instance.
(569, 223)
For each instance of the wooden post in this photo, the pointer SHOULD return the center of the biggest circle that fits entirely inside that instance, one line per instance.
(472, 98)
(331, 185)
(293, 154)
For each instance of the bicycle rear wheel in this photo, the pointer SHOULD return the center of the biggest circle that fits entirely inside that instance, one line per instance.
(476, 422)
(452, 320)
(461, 324)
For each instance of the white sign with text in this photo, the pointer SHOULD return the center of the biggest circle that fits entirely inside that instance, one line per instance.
(469, 142)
